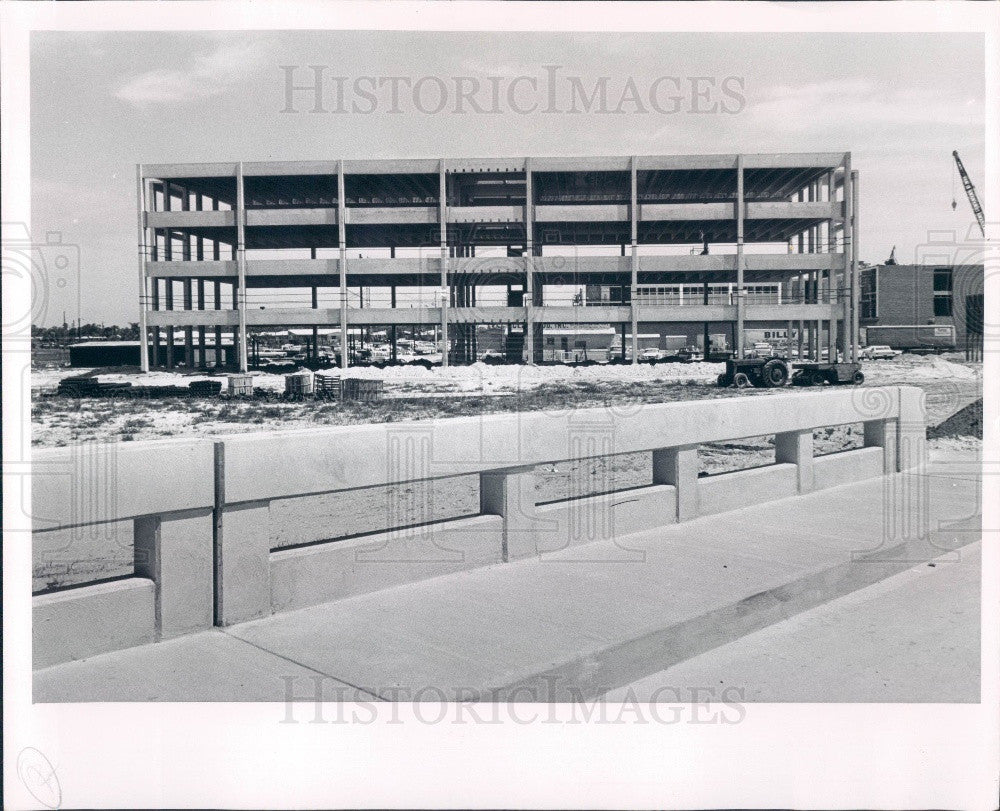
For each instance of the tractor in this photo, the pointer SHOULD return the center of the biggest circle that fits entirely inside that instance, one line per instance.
(774, 372)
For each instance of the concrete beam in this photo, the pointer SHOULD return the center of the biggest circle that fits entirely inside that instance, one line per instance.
(581, 213)
(484, 214)
(409, 215)
(191, 219)
(682, 212)
(291, 216)
(98, 483)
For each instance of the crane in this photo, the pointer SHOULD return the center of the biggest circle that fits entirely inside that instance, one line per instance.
(970, 190)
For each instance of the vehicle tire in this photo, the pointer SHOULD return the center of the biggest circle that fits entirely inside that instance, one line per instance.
(858, 378)
(774, 374)
(723, 380)
(742, 381)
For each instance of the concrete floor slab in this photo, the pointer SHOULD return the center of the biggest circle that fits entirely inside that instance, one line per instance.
(206, 666)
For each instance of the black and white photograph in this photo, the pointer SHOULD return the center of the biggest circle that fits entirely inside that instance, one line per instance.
(500, 405)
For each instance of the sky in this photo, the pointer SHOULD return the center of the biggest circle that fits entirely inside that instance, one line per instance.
(102, 102)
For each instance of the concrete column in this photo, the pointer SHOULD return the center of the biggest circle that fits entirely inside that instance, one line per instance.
(175, 552)
(740, 260)
(855, 280)
(141, 206)
(801, 335)
(510, 493)
(188, 332)
(680, 467)
(156, 347)
(443, 237)
(529, 264)
(796, 447)
(201, 306)
(342, 263)
(217, 293)
(832, 340)
(241, 265)
(882, 434)
(848, 242)
(170, 346)
(911, 435)
(634, 261)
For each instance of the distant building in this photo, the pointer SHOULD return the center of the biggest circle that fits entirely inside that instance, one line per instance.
(945, 295)
(94, 354)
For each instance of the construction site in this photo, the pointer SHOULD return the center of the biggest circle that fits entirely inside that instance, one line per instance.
(517, 260)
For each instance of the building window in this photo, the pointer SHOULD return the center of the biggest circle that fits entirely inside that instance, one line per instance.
(868, 293)
(942, 291)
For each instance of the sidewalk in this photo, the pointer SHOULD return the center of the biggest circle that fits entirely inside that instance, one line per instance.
(580, 623)
(911, 638)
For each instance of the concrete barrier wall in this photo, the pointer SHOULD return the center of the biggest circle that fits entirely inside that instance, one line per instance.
(344, 457)
(94, 619)
(846, 467)
(563, 524)
(330, 571)
(201, 509)
(745, 488)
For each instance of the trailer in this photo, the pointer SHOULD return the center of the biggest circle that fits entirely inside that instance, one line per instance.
(835, 374)
(916, 338)
(775, 372)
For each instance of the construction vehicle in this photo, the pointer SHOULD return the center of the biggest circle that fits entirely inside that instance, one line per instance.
(775, 372)
(970, 192)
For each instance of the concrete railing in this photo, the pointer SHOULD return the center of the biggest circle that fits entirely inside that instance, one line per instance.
(201, 510)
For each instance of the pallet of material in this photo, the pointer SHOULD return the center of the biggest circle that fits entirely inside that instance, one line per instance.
(327, 387)
(362, 390)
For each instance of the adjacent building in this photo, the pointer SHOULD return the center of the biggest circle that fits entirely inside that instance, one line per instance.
(946, 295)
(701, 246)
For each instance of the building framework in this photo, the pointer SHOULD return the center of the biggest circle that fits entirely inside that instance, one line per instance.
(229, 248)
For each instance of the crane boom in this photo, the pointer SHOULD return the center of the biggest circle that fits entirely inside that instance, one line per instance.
(970, 191)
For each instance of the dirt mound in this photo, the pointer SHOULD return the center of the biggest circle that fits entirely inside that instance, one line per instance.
(967, 422)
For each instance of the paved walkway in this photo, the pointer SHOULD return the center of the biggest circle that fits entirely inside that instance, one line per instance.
(589, 621)
(912, 638)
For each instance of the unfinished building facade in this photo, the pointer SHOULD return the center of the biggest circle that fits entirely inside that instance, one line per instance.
(699, 245)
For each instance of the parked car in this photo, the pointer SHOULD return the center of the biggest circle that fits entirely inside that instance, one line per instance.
(879, 352)
(762, 349)
(650, 354)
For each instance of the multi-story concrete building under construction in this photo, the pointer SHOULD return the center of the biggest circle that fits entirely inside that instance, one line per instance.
(485, 255)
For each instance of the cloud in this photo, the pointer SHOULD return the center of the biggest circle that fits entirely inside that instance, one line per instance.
(208, 75)
(858, 101)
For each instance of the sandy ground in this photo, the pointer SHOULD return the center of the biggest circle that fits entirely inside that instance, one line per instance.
(419, 393)
(77, 556)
